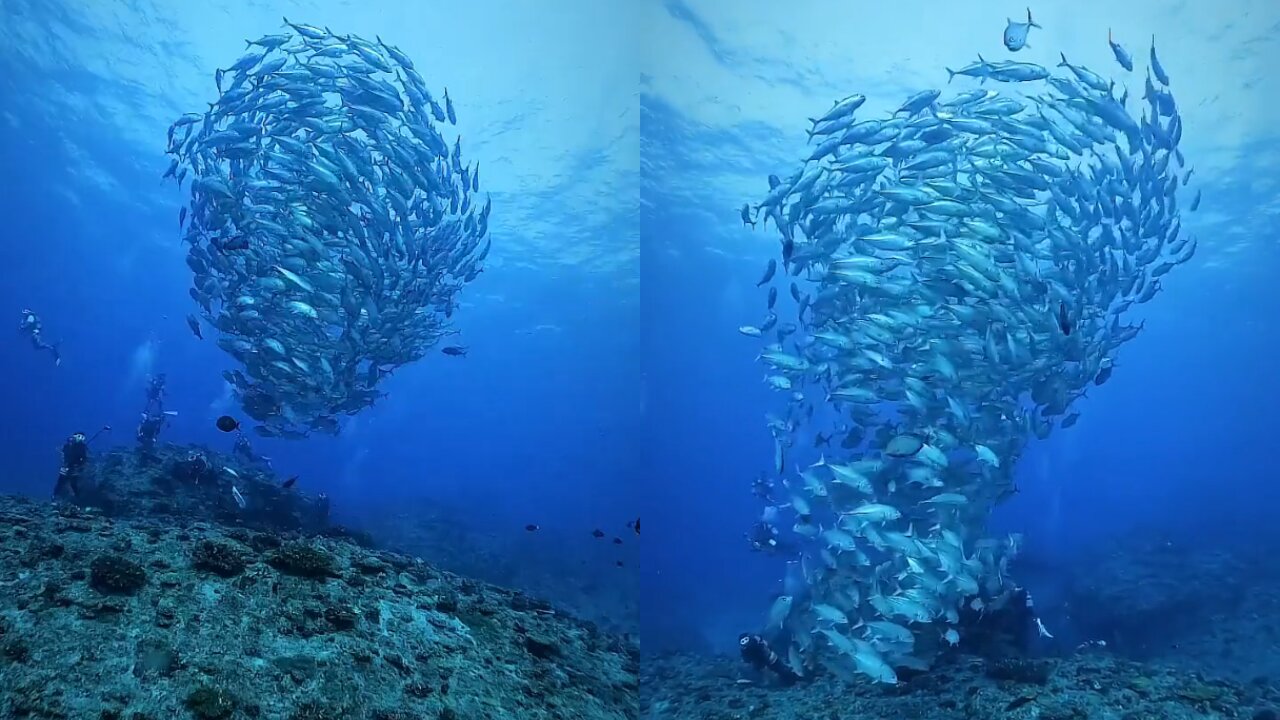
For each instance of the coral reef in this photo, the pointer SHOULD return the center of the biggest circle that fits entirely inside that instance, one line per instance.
(196, 481)
(1083, 687)
(146, 618)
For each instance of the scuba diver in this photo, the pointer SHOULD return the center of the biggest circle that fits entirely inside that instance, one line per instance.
(155, 394)
(75, 457)
(243, 450)
(31, 327)
(756, 653)
(193, 468)
(763, 537)
(154, 416)
(149, 429)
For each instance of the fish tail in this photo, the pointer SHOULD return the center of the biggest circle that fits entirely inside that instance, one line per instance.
(1031, 22)
(951, 75)
(1064, 62)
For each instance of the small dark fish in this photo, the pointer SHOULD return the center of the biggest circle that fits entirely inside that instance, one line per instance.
(1122, 56)
(821, 440)
(1064, 320)
(289, 483)
(531, 527)
(618, 563)
(773, 297)
(597, 533)
(226, 423)
(617, 541)
(239, 242)
(795, 292)
(455, 350)
(182, 217)
(746, 216)
(1156, 67)
(195, 326)
(1103, 375)
(448, 105)
(768, 272)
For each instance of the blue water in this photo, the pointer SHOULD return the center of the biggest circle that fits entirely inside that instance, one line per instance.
(1177, 441)
(534, 426)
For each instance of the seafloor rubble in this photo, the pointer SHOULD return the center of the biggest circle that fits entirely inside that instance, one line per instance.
(593, 578)
(1084, 687)
(1209, 606)
(147, 618)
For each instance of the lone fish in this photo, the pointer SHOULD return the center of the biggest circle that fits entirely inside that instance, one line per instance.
(1015, 34)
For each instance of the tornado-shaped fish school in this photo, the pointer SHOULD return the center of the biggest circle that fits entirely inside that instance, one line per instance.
(331, 226)
(961, 272)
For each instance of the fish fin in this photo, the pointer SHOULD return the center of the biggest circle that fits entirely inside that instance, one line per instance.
(1031, 22)
(1064, 62)
(951, 75)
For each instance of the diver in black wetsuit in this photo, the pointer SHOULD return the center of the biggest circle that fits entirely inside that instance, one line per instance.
(149, 429)
(757, 653)
(764, 537)
(75, 455)
(31, 327)
(155, 395)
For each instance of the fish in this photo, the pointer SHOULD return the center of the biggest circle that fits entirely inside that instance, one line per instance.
(239, 498)
(353, 248)
(597, 533)
(1015, 34)
(1156, 68)
(768, 273)
(967, 266)
(531, 527)
(1122, 56)
(746, 216)
(290, 482)
(779, 611)
(455, 350)
(904, 446)
(227, 424)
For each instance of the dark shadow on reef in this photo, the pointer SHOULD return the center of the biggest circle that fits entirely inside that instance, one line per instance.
(173, 588)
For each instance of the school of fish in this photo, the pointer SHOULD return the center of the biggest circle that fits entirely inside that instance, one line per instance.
(331, 226)
(960, 272)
